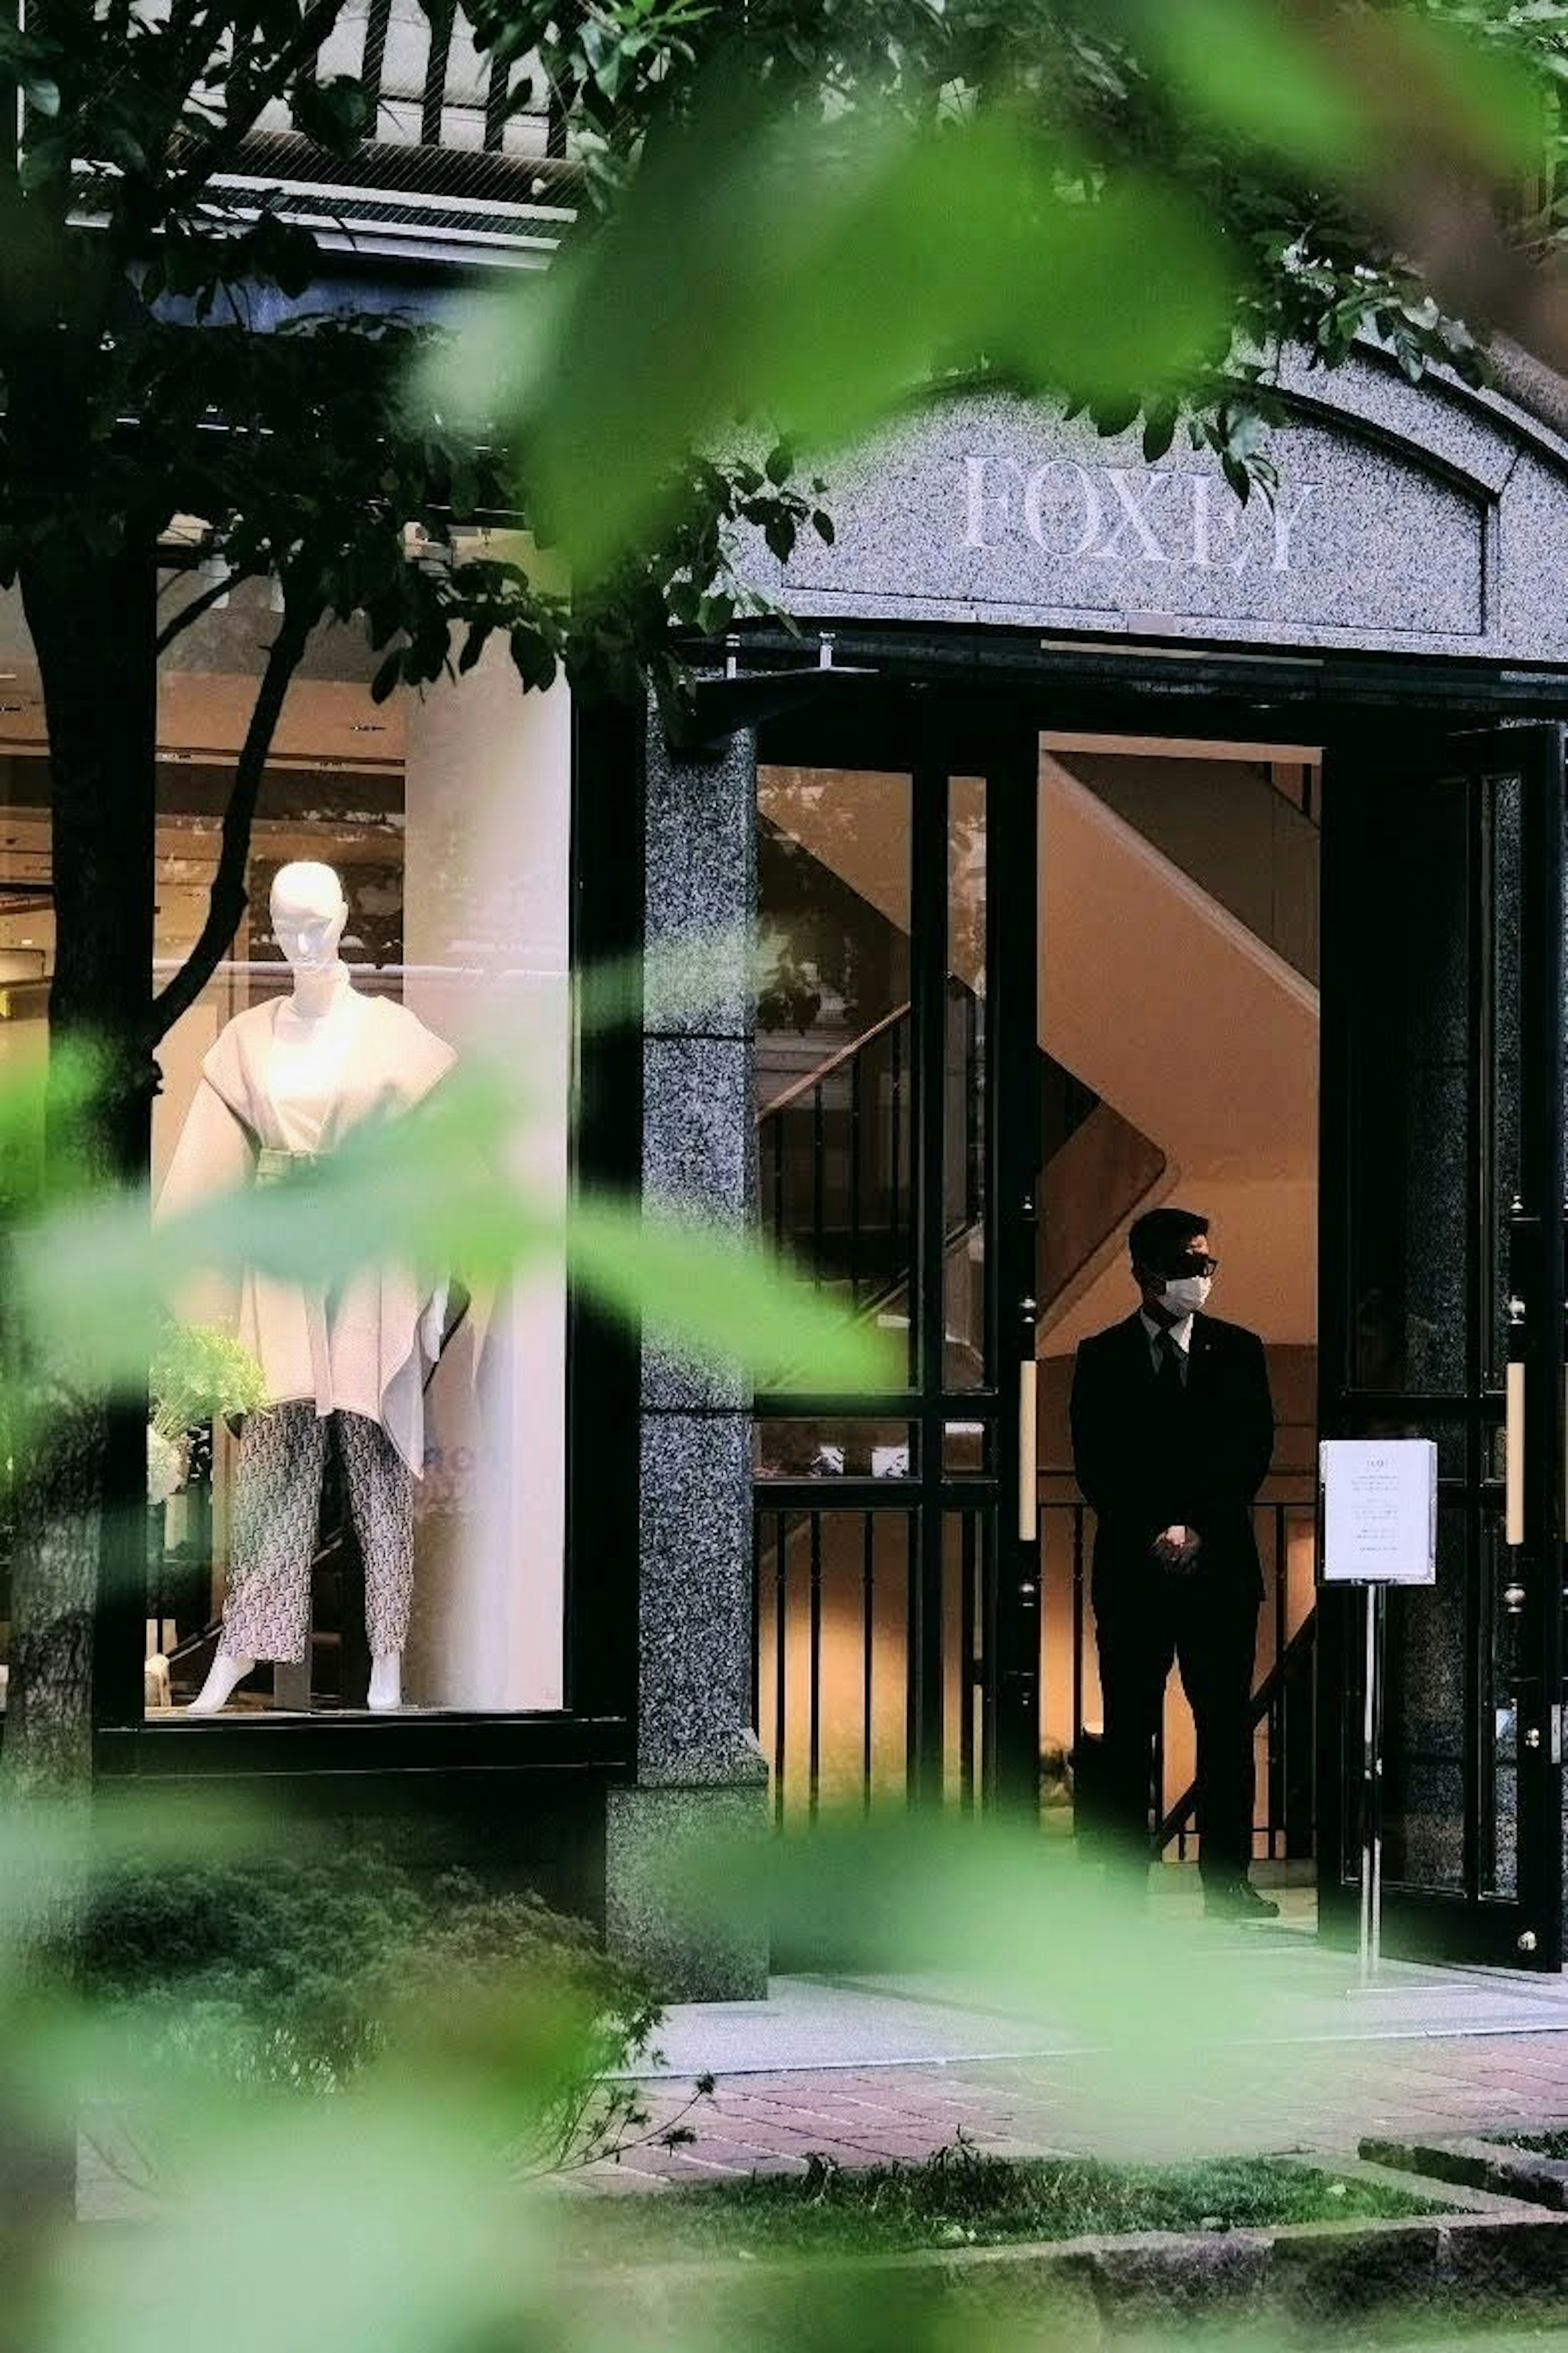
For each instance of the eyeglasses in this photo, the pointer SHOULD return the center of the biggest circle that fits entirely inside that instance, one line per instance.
(1193, 1265)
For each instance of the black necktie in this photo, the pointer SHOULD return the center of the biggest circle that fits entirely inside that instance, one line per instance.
(1170, 1372)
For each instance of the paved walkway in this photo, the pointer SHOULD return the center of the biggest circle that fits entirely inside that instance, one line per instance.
(1284, 2052)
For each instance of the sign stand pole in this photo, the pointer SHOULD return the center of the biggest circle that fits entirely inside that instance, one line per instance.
(1371, 1789)
(1378, 1527)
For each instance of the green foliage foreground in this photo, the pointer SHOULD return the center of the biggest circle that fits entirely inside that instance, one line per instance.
(349, 2100)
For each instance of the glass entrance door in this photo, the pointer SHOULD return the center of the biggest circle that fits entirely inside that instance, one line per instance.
(1443, 1267)
(897, 1124)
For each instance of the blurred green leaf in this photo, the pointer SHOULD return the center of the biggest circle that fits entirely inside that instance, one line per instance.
(437, 1191)
(372, 2225)
(989, 1914)
(673, 981)
(1258, 75)
(718, 1295)
(1468, 101)
(821, 284)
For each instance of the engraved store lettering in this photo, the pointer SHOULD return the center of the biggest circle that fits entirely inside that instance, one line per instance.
(1125, 514)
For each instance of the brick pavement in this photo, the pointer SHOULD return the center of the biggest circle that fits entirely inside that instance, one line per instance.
(1321, 2096)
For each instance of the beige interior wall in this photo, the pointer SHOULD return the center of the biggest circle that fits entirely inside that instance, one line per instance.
(1198, 1033)
(1225, 823)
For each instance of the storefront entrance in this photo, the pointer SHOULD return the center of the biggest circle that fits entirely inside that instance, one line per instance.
(921, 1580)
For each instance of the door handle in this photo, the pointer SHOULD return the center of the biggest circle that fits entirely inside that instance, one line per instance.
(1514, 1456)
(1028, 1430)
(1513, 1427)
(1028, 1456)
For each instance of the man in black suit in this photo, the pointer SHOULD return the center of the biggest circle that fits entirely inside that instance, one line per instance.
(1172, 1431)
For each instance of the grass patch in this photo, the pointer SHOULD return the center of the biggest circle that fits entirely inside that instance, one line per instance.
(962, 2198)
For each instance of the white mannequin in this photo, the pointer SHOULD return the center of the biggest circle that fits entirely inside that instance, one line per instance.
(309, 912)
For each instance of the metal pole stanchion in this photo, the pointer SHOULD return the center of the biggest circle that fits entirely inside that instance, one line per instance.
(1370, 1776)
(1363, 1941)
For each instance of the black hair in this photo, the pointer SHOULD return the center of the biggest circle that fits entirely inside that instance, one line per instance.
(1160, 1236)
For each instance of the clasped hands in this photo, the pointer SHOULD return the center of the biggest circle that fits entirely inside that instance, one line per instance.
(1176, 1547)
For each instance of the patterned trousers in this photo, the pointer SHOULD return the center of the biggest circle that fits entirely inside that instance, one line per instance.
(276, 1513)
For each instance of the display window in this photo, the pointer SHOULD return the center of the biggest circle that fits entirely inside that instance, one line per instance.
(374, 1518)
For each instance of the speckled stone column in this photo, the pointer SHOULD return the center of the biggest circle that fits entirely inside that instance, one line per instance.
(701, 1777)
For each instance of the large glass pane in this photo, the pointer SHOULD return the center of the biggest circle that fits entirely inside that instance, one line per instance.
(1411, 1149)
(26, 959)
(840, 1447)
(399, 1488)
(965, 1138)
(835, 1080)
(1501, 1061)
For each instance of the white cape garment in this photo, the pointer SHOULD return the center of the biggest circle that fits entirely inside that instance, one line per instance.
(361, 1351)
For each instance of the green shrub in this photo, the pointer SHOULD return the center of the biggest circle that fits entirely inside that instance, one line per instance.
(301, 1976)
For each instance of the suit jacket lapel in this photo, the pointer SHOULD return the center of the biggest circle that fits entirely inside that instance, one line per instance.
(1139, 1357)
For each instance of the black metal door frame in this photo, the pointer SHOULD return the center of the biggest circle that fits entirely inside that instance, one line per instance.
(1471, 1920)
(1375, 710)
(934, 739)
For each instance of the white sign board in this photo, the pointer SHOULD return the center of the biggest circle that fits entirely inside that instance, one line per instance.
(1379, 1510)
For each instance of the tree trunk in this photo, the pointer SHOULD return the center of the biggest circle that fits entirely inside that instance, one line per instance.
(82, 1524)
(94, 631)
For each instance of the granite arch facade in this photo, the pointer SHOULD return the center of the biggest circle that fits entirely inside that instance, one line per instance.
(1424, 526)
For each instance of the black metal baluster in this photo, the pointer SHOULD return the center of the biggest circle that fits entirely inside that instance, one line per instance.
(557, 113)
(1275, 1773)
(779, 1181)
(814, 1699)
(496, 95)
(896, 1181)
(867, 1649)
(1077, 1552)
(442, 14)
(911, 1660)
(974, 1135)
(855, 1108)
(818, 1182)
(1276, 1714)
(781, 1600)
(758, 1562)
(373, 58)
(966, 1664)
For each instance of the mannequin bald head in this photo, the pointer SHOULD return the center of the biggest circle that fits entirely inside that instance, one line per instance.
(308, 912)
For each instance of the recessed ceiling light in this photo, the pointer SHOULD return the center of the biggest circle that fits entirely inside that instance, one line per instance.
(367, 727)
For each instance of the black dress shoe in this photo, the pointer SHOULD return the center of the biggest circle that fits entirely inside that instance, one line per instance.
(1236, 1899)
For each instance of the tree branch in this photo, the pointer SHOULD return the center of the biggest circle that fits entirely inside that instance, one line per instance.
(228, 898)
(193, 612)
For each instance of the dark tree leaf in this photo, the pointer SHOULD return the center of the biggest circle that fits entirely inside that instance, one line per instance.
(336, 114)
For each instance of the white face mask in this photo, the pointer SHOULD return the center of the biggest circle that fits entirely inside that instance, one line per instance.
(1184, 1294)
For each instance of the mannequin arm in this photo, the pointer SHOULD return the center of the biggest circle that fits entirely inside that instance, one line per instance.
(215, 1155)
